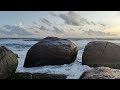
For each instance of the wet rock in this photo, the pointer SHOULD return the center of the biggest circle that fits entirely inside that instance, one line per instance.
(101, 73)
(99, 53)
(8, 62)
(27, 75)
(51, 51)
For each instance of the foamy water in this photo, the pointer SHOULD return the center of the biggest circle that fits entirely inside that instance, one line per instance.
(73, 70)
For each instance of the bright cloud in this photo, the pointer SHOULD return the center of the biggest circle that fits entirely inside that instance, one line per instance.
(65, 23)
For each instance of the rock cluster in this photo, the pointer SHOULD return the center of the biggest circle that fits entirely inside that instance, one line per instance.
(104, 57)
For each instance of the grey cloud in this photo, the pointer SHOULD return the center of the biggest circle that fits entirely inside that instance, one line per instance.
(72, 18)
(80, 28)
(35, 27)
(46, 21)
(43, 28)
(35, 23)
(7, 26)
(84, 21)
(98, 33)
(46, 28)
(16, 30)
(31, 28)
(57, 30)
(53, 14)
(72, 29)
(3, 32)
(54, 30)
(37, 32)
(99, 25)
(93, 23)
(103, 24)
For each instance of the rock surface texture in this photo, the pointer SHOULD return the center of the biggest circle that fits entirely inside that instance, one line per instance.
(51, 51)
(99, 53)
(27, 75)
(8, 62)
(101, 73)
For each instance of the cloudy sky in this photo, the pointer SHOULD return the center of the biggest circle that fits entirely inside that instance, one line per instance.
(60, 23)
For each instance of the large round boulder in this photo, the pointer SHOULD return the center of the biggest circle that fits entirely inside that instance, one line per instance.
(51, 51)
(100, 53)
(101, 73)
(8, 63)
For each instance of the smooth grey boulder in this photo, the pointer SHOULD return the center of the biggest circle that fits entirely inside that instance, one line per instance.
(100, 53)
(51, 51)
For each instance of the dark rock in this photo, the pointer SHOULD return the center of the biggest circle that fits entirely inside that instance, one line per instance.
(27, 75)
(17, 55)
(21, 75)
(48, 76)
(99, 53)
(51, 51)
(8, 63)
(101, 73)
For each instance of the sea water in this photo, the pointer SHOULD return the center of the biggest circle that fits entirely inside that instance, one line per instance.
(73, 70)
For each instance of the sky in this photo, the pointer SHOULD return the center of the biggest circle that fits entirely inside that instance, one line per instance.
(70, 24)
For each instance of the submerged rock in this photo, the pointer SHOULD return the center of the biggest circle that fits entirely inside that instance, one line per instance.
(99, 53)
(101, 73)
(27, 75)
(51, 51)
(8, 62)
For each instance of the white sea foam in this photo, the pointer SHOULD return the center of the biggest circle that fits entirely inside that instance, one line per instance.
(73, 70)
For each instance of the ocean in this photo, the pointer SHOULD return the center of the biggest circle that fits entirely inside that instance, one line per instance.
(73, 70)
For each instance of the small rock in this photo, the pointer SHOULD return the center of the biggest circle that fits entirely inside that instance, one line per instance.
(101, 73)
